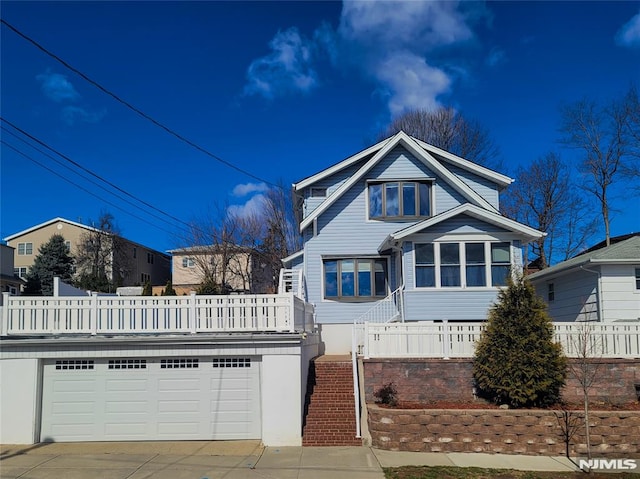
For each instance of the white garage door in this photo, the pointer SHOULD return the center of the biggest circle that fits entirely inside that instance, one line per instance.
(151, 399)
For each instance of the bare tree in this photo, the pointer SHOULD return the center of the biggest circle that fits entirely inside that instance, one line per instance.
(544, 197)
(450, 130)
(632, 103)
(101, 258)
(604, 136)
(242, 250)
(585, 368)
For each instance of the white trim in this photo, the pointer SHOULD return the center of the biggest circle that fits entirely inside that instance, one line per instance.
(467, 165)
(292, 256)
(47, 223)
(338, 166)
(405, 140)
(473, 211)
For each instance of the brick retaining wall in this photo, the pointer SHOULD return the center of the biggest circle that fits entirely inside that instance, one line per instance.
(532, 432)
(424, 380)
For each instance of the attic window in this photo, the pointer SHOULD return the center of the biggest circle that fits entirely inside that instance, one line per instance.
(318, 192)
(399, 199)
(637, 278)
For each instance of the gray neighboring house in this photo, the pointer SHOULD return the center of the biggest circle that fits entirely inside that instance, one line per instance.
(602, 284)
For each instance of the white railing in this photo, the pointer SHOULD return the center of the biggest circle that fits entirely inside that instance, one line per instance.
(291, 280)
(457, 340)
(24, 315)
(386, 310)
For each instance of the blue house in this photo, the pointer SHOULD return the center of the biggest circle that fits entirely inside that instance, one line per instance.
(403, 230)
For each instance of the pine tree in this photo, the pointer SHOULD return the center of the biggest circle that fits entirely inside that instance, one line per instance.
(147, 290)
(168, 289)
(53, 259)
(516, 361)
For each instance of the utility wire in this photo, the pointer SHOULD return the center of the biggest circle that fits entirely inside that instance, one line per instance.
(78, 165)
(133, 108)
(80, 187)
(83, 177)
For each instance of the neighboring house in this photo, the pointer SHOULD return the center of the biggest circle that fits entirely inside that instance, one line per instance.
(602, 284)
(10, 282)
(134, 264)
(409, 222)
(240, 269)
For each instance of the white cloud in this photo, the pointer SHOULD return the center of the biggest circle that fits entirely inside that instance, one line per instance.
(411, 82)
(286, 69)
(400, 25)
(254, 206)
(57, 88)
(244, 189)
(391, 43)
(629, 34)
(75, 114)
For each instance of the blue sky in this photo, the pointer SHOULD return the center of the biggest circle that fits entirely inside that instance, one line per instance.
(280, 90)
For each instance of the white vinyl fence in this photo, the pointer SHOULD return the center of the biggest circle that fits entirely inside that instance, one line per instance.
(457, 340)
(29, 316)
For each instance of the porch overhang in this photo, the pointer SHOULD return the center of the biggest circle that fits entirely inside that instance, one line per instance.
(527, 233)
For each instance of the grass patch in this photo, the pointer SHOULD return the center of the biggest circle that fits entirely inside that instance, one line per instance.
(451, 472)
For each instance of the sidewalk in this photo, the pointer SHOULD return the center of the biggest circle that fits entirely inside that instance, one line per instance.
(234, 460)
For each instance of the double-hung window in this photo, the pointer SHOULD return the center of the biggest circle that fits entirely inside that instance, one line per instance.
(188, 263)
(355, 278)
(449, 264)
(475, 264)
(398, 199)
(500, 263)
(25, 248)
(425, 265)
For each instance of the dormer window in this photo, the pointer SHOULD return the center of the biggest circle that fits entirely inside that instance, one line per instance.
(399, 199)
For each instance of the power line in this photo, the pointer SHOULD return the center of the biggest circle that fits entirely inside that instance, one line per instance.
(83, 177)
(133, 108)
(95, 175)
(80, 187)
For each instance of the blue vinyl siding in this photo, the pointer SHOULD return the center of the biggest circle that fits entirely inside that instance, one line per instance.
(456, 305)
(464, 224)
(486, 188)
(344, 230)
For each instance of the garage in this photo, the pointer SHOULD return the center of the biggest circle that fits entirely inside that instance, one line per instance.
(127, 399)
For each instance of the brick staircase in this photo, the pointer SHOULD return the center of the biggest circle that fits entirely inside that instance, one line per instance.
(330, 414)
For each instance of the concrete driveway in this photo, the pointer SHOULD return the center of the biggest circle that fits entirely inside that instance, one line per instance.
(185, 460)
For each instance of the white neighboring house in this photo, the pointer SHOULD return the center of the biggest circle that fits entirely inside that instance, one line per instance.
(602, 284)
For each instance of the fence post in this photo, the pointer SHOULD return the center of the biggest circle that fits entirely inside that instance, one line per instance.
(94, 313)
(446, 337)
(365, 340)
(4, 325)
(292, 316)
(192, 312)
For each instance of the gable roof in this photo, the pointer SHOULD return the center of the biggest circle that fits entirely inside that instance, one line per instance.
(79, 225)
(465, 209)
(624, 252)
(467, 165)
(400, 138)
(47, 223)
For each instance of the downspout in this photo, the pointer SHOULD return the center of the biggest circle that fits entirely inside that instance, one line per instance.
(599, 312)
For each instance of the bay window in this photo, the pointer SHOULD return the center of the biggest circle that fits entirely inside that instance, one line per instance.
(355, 278)
(469, 265)
(396, 199)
